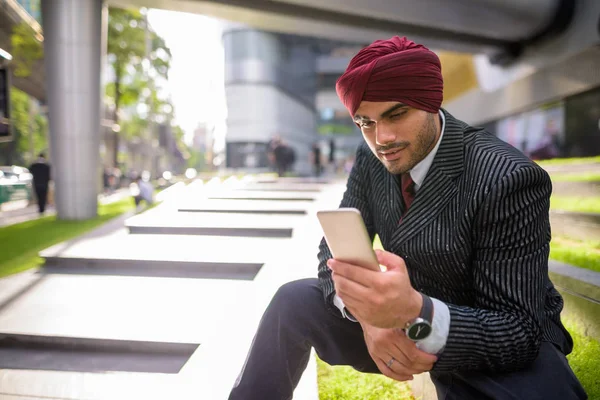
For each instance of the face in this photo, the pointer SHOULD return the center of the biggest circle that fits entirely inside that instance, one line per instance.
(399, 135)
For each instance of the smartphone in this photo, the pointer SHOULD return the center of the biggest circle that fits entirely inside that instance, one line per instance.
(347, 237)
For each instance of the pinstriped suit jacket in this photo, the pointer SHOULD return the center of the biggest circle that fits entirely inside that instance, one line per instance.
(476, 237)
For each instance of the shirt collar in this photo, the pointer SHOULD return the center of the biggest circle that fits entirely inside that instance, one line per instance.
(419, 171)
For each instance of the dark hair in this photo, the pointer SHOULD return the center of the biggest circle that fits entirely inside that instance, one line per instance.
(42, 155)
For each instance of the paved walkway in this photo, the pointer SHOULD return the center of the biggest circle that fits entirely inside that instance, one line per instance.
(169, 316)
(164, 304)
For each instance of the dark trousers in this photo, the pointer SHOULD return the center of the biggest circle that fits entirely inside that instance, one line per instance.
(297, 319)
(41, 192)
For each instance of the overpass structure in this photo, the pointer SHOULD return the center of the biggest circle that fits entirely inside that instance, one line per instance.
(527, 51)
(11, 15)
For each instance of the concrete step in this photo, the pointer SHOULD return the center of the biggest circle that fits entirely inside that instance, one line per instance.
(248, 207)
(117, 314)
(162, 256)
(576, 225)
(288, 180)
(165, 221)
(281, 188)
(249, 196)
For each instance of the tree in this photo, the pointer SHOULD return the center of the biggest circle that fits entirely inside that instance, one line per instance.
(14, 152)
(26, 49)
(127, 50)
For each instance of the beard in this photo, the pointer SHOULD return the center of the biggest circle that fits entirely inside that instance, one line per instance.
(416, 150)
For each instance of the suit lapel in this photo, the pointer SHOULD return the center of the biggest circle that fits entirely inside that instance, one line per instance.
(395, 203)
(439, 186)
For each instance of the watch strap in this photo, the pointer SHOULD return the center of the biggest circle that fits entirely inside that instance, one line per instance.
(427, 308)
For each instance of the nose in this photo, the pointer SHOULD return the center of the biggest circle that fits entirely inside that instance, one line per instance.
(384, 135)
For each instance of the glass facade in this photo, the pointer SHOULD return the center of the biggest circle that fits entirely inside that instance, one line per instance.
(567, 128)
(582, 113)
(270, 87)
(266, 58)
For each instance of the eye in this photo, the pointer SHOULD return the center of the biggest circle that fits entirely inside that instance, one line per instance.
(397, 115)
(365, 124)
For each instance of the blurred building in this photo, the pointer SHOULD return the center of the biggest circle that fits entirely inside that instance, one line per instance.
(281, 85)
(14, 14)
(334, 122)
(550, 112)
(270, 87)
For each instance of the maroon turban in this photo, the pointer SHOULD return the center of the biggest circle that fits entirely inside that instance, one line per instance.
(393, 70)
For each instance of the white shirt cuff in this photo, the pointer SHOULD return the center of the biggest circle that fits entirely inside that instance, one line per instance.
(339, 303)
(436, 342)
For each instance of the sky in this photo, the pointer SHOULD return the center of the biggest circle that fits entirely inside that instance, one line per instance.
(197, 66)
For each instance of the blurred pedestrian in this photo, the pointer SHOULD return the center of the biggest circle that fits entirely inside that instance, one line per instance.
(142, 190)
(41, 180)
(315, 159)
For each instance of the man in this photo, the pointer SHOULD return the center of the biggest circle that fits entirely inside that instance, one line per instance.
(315, 159)
(464, 218)
(41, 179)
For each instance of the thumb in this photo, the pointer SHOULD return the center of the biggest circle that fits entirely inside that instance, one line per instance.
(390, 260)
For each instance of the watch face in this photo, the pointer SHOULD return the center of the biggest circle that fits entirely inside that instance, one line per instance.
(419, 330)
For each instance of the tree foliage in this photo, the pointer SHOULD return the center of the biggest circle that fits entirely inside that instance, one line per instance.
(130, 46)
(26, 49)
(17, 151)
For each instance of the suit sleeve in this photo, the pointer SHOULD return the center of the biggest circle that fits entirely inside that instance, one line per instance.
(511, 243)
(355, 196)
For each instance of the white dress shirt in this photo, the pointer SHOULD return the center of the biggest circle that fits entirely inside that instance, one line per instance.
(436, 341)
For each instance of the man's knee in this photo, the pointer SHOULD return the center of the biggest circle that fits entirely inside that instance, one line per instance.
(296, 297)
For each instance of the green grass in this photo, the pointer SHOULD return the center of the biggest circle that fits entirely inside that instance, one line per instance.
(569, 161)
(22, 242)
(585, 358)
(578, 177)
(578, 204)
(345, 383)
(583, 254)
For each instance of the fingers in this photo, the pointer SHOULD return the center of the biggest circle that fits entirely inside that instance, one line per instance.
(416, 358)
(390, 373)
(389, 260)
(352, 272)
(347, 287)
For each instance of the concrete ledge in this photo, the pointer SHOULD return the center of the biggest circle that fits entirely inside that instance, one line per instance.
(579, 189)
(578, 225)
(583, 275)
(579, 282)
(244, 211)
(580, 289)
(28, 352)
(423, 388)
(270, 188)
(16, 340)
(294, 180)
(151, 268)
(212, 231)
(572, 168)
(263, 198)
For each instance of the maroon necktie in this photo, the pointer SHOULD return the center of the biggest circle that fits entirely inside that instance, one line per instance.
(408, 190)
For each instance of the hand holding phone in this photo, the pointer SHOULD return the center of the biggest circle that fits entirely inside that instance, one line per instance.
(347, 237)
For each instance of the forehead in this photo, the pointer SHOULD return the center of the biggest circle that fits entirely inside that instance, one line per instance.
(373, 109)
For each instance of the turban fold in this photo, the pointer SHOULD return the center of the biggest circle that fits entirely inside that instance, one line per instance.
(393, 70)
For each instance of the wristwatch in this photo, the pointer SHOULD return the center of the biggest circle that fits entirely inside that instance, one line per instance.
(420, 328)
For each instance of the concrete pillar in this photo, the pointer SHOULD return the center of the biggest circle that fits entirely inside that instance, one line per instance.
(72, 52)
